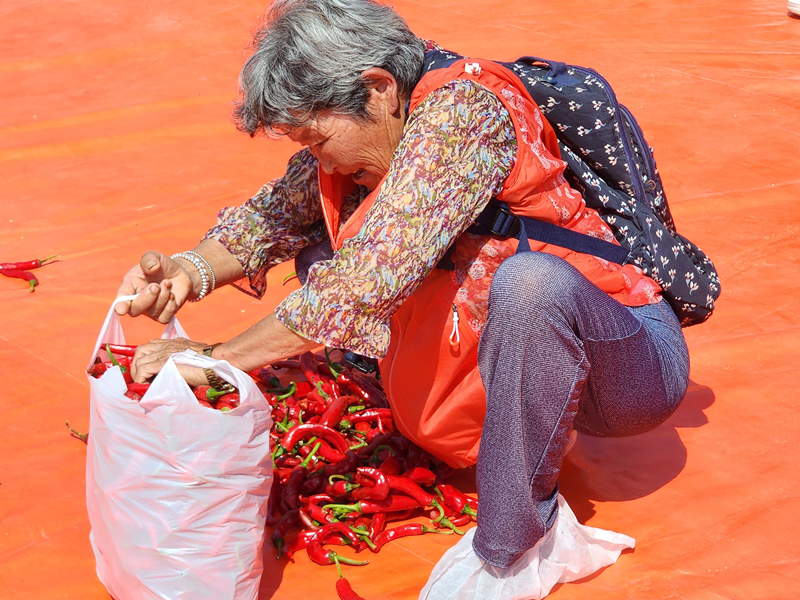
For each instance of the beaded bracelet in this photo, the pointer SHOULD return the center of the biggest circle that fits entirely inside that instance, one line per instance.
(207, 277)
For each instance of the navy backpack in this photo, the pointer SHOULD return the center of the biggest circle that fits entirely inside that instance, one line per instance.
(611, 164)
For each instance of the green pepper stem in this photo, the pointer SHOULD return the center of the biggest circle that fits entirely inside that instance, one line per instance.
(383, 447)
(311, 454)
(347, 508)
(112, 359)
(446, 522)
(83, 436)
(334, 371)
(335, 558)
(338, 558)
(438, 507)
(292, 388)
(322, 392)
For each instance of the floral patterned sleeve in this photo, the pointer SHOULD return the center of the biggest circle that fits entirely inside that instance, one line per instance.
(457, 149)
(280, 220)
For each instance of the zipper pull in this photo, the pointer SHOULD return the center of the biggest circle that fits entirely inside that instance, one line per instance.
(455, 336)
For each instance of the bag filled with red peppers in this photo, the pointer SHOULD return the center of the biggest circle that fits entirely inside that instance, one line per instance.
(176, 492)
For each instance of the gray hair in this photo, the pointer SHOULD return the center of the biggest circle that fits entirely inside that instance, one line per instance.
(309, 56)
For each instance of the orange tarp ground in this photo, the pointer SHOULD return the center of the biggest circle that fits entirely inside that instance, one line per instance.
(115, 138)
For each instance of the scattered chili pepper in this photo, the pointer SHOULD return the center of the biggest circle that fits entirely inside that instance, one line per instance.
(26, 265)
(17, 274)
(343, 587)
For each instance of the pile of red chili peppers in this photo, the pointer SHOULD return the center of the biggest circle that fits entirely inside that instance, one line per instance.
(342, 471)
(22, 270)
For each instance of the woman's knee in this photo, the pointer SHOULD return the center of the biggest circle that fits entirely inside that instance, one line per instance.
(541, 279)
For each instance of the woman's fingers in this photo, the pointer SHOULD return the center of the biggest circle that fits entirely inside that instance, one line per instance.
(163, 287)
(151, 357)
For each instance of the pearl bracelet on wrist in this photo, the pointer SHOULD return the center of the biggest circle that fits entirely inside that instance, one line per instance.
(207, 278)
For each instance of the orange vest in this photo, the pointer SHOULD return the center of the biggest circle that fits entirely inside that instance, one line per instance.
(435, 390)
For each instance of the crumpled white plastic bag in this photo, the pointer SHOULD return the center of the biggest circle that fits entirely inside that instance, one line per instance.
(176, 492)
(569, 551)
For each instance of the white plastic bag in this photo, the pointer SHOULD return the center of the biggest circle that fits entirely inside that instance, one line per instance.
(569, 551)
(176, 492)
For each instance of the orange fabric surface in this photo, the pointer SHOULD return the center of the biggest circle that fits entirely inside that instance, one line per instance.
(115, 138)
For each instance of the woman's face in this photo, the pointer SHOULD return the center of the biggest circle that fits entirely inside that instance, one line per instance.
(362, 150)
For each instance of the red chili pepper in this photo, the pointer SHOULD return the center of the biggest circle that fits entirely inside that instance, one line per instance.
(328, 454)
(348, 465)
(134, 396)
(370, 386)
(345, 590)
(377, 491)
(392, 466)
(26, 265)
(313, 484)
(291, 493)
(377, 525)
(287, 460)
(322, 557)
(311, 430)
(305, 519)
(341, 487)
(228, 402)
(334, 413)
(369, 450)
(371, 415)
(366, 507)
(285, 364)
(308, 365)
(421, 476)
(343, 587)
(119, 349)
(209, 394)
(138, 388)
(276, 491)
(287, 520)
(456, 500)
(401, 484)
(399, 515)
(401, 532)
(17, 274)
(450, 521)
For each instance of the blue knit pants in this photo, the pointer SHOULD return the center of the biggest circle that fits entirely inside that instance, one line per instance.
(558, 353)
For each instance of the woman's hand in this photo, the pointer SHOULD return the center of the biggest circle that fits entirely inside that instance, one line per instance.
(150, 358)
(162, 284)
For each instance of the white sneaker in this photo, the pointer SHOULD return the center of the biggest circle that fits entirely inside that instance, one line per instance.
(794, 8)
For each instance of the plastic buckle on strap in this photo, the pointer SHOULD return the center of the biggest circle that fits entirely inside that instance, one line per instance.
(505, 224)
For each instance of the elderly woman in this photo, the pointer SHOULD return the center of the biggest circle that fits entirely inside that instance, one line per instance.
(495, 361)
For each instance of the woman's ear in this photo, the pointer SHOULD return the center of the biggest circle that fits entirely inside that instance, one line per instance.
(383, 87)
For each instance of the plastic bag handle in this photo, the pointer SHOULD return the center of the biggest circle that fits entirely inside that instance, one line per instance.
(112, 322)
